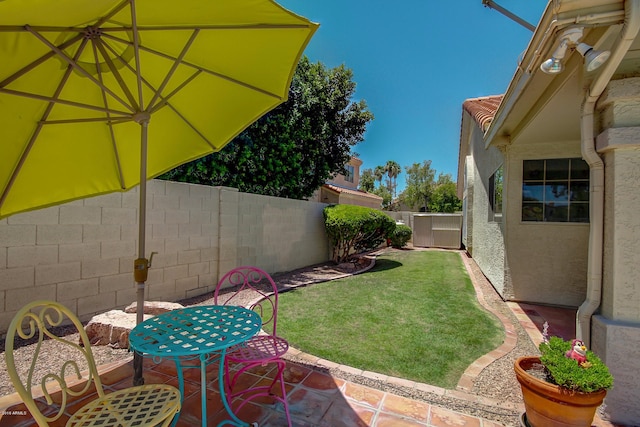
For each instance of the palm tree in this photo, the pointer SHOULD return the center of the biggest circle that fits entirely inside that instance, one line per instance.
(379, 172)
(392, 169)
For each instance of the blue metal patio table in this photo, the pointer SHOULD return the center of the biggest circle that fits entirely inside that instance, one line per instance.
(201, 333)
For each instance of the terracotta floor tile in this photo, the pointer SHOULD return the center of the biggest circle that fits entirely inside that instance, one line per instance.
(268, 370)
(17, 417)
(277, 419)
(250, 413)
(189, 387)
(192, 373)
(441, 417)
(402, 406)
(74, 405)
(308, 406)
(151, 377)
(167, 367)
(342, 414)
(320, 381)
(275, 390)
(295, 374)
(390, 420)
(192, 407)
(362, 394)
(60, 422)
(117, 374)
(246, 381)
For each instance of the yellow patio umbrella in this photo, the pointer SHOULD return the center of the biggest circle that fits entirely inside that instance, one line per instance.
(98, 96)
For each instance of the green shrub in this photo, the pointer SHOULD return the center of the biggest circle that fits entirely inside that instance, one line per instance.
(401, 236)
(566, 372)
(355, 228)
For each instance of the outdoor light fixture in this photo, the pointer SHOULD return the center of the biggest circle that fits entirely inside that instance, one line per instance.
(592, 58)
(571, 38)
(553, 64)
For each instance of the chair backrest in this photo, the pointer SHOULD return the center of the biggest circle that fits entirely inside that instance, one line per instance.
(43, 381)
(253, 288)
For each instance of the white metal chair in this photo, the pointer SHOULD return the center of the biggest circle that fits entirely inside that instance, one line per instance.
(48, 397)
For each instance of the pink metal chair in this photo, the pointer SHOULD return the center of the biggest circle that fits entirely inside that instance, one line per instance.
(253, 287)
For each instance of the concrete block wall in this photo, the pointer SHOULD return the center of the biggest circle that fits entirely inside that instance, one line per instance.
(277, 234)
(81, 253)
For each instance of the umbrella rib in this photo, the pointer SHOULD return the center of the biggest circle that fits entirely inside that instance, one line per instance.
(105, 101)
(209, 143)
(99, 45)
(174, 67)
(108, 120)
(136, 50)
(62, 101)
(213, 27)
(165, 102)
(38, 128)
(115, 10)
(165, 99)
(78, 68)
(49, 28)
(211, 72)
(34, 64)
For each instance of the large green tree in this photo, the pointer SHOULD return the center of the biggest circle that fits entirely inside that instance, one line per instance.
(386, 195)
(444, 197)
(420, 185)
(367, 180)
(292, 150)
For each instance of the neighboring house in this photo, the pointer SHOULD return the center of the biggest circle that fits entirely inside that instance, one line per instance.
(343, 189)
(548, 174)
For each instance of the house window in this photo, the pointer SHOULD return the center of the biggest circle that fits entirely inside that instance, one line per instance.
(495, 195)
(350, 173)
(555, 190)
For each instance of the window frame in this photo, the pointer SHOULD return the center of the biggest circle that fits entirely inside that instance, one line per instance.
(496, 195)
(555, 194)
(350, 176)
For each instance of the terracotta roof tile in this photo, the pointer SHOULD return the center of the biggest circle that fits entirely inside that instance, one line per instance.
(350, 191)
(483, 109)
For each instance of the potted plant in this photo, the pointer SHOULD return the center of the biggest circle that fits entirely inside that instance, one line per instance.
(564, 386)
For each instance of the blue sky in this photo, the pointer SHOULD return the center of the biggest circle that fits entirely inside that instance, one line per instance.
(415, 62)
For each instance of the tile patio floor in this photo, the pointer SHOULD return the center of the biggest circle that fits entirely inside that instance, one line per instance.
(316, 398)
(319, 399)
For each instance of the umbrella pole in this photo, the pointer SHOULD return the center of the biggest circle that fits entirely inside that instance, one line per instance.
(141, 265)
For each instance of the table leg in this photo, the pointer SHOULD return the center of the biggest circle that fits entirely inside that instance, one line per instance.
(180, 387)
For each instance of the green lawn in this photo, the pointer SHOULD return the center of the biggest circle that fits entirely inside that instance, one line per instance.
(414, 316)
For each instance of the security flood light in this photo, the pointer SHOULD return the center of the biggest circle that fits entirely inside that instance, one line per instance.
(570, 39)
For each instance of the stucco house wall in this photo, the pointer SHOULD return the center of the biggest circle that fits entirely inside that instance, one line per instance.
(339, 190)
(593, 266)
(81, 253)
(547, 261)
(341, 180)
(616, 329)
(486, 235)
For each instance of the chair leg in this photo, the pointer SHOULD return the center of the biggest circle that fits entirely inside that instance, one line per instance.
(251, 393)
(281, 367)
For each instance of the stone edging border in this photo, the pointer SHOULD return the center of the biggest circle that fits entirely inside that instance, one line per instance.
(511, 337)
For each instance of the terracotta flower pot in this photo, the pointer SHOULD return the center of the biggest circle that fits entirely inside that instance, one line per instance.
(549, 405)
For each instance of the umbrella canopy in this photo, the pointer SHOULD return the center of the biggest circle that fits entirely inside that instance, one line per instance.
(99, 96)
(78, 78)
